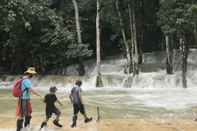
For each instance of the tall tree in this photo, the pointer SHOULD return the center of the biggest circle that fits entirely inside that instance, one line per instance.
(169, 55)
(77, 21)
(140, 26)
(125, 41)
(176, 18)
(135, 55)
(81, 68)
(99, 82)
(184, 53)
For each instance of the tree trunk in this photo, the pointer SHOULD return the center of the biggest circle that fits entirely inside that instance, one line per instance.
(140, 51)
(127, 47)
(81, 70)
(135, 54)
(140, 28)
(13, 65)
(99, 82)
(195, 33)
(78, 28)
(184, 51)
(169, 54)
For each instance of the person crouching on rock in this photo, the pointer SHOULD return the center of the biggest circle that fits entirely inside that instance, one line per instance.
(50, 100)
(76, 100)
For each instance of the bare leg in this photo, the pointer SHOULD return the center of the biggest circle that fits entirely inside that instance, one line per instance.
(84, 115)
(58, 117)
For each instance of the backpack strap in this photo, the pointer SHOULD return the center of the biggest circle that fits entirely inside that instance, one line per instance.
(26, 89)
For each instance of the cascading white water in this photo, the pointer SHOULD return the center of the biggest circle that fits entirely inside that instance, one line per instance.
(152, 88)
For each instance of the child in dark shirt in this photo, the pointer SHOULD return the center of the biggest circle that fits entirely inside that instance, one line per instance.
(50, 100)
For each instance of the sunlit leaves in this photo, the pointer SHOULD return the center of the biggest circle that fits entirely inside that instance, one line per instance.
(34, 34)
(176, 15)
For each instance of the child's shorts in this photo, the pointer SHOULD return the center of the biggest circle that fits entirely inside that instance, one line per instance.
(49, 112)
(78, 108)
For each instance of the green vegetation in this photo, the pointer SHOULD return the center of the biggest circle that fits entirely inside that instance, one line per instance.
(42, 33)
(33, 34)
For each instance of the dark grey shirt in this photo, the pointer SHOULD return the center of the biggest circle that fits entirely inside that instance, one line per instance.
(75, 94)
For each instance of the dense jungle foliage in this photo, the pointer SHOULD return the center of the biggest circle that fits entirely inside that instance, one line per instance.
(42, 33)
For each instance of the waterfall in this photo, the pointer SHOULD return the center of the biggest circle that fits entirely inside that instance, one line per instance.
(152, 75)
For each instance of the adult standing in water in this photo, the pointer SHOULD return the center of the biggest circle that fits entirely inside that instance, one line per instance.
(24, 108)
(78, 106)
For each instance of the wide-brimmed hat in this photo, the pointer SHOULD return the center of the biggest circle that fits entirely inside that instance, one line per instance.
(30, 70)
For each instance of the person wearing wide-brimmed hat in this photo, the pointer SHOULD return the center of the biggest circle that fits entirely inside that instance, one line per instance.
(24, 109)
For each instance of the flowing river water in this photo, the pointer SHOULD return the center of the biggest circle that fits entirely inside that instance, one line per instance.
(152, 94)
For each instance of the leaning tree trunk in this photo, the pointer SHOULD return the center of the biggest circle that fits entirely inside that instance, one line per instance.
(184, 52)
(128, 51)
(78, 28)
(81, 68)
(169, 54)
(135, 54)
(99, 82)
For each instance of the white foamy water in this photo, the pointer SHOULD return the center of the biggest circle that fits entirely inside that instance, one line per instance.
(167, 98)
(152, 88)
